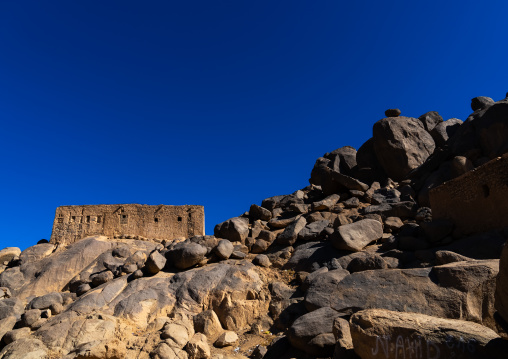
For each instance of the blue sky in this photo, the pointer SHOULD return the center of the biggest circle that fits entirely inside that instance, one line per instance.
(217, 103)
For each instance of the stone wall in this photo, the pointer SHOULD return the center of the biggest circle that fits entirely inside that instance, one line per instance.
(73, 223)
(476, 201)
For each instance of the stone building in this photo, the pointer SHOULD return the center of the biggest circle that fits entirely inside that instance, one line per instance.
(477, 201)
(73, 223)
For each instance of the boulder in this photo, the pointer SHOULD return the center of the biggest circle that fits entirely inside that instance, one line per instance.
(393, 224)
(480, 102)
(6, 325)
(9, 253)
(164, 351)
(262, 260)
(307, 254)
(357, 235)
(314, 231)
(312, 333)
(25, 348)
(198, 348)
(492, 129)
(186, 255)
(401, 144)
(444, 130)
(326, 204)
(16, 334)
(352, 202)
(11, 307)
(101, 278)
(392, 112)
(462, 290)
(430, 120)
(348, 182)
(224, 249)
(155, 262)
(55, 271)
(256, 212)
(35, 253)
(290, 233)
(260, 246)
(228, 338)
(388, 334)
(235, 229)
(175, 334)
(370, 261)
(30, 317)
(460, 165)
(322, 287)
(343, 159)
(445, 257)
(344, 342)
(208, 323)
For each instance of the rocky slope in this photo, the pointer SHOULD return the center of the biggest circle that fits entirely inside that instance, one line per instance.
(351, 266)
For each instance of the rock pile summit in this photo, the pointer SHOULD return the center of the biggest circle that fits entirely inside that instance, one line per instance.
(374, 259)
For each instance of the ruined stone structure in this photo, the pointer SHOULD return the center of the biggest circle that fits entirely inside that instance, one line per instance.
(477, 201)
(73, 223)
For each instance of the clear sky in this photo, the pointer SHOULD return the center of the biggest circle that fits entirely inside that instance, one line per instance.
(217, 103)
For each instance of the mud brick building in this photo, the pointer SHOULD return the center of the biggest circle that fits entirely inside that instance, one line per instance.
(73, 223)
(477, 201)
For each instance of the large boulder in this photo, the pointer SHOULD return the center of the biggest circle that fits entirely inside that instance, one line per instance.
(322, 287)
(8, 254)
(492, 129)
(26, 348)
(155, 262)
(401, 145)
(462, 290)
(186, 254)
(235, 229)
(342, 160)
(430, 120)
(382, 333)
(256, 212)
(355, 236)
(444, 130)
(6, 324)
(54, 272)
(290, 233)
(313, 332)
(11, 307)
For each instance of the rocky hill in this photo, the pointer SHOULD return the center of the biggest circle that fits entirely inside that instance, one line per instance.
(352, 266)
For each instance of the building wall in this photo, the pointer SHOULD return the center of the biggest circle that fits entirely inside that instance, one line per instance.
(73, 223)
(476, 201)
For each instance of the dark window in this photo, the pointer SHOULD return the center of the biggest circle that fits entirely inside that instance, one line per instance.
(73, 219)
(156, 220)
(99, 219)
(179, 219)
(87, 219)
(486, 190)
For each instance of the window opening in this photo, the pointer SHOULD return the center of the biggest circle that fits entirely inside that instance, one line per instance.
(486, 190)
(123, 219)
(179, 219)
